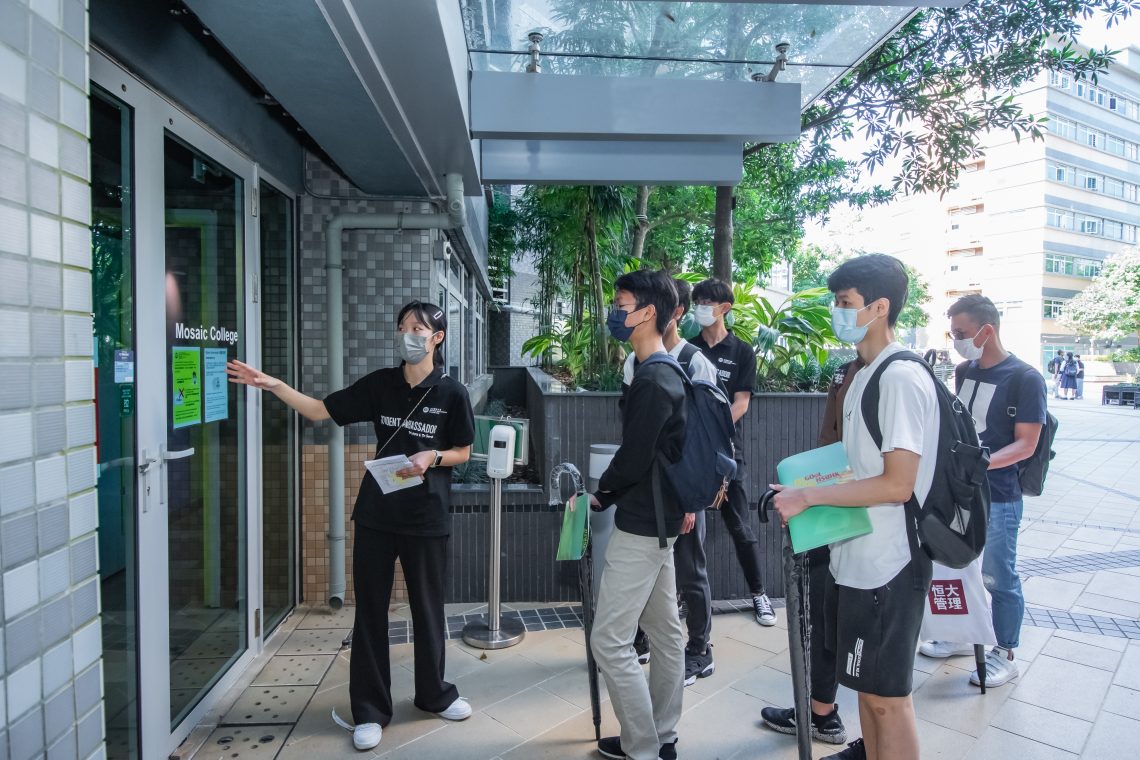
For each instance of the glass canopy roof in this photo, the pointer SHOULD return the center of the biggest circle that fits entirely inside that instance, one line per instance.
(692, 40)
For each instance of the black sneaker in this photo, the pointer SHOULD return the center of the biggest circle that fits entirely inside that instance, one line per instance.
(855, 751)
(641, 646)
(698, 665)
(611, 747)
(825, 728)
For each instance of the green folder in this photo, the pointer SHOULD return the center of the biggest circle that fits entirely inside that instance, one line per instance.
(818, 526)
(575, 528)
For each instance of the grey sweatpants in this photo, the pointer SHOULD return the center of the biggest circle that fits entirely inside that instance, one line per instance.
(639, 587)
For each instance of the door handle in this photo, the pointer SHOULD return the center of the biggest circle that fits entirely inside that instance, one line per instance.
(168, 456)
(144, 469)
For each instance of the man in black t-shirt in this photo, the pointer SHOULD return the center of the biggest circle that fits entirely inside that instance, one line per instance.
(735, 363)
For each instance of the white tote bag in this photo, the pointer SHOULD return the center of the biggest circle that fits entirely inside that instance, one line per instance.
(958, 606)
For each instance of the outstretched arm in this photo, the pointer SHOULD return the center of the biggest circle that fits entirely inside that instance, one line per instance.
(307, 406)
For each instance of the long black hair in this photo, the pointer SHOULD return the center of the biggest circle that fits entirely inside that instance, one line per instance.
(431, 315)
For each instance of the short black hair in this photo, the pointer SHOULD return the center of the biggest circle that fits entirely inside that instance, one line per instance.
(1070, 355)
(712, 289)
(684, 295)
(978, 308)
(874, 276)
(429, 314)
(651, 288)
(1060, 352)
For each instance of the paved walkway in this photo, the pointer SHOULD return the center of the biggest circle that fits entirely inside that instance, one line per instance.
(1078, 694)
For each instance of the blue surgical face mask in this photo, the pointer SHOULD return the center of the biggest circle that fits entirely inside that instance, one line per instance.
(843, 323)
(616, 324)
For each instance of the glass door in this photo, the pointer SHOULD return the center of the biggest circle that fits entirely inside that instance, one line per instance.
(181, 508)
(279, 456)
(204, 453)
(113, 323)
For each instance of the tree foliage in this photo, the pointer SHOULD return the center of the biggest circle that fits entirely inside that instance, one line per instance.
(1109, 308)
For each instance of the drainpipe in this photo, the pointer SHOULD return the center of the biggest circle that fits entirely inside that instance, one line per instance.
(453, 218)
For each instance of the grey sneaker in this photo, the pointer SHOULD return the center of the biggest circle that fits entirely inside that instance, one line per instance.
(762, 607)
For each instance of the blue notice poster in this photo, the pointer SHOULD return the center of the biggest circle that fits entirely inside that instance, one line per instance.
(217, 401)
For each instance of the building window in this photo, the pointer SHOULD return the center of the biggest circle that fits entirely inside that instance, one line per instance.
(1095, 138)
(1052, 307)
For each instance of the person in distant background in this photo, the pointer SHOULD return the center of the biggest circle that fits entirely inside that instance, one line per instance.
(1054, 369)
(1080, 376)
(1068, 377)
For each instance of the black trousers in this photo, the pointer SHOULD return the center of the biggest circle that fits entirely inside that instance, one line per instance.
(824, 685)
(424, 560)
(693, 583)
(737, 519)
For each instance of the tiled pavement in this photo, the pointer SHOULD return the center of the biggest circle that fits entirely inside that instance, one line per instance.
(1078, 694)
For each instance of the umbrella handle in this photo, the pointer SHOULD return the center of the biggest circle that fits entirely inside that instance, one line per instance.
(765, 504)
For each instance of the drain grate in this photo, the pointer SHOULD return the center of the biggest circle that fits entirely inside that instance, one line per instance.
(321, 641)
(243, 742)
(294, 670)
(268, 705)
(1077, 563)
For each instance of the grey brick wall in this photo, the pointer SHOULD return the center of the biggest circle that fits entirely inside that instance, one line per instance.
(383, 270)
(50, 645)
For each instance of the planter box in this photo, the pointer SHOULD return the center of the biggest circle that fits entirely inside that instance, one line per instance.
(565, 422)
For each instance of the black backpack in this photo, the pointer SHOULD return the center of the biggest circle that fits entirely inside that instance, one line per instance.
(950, 525)
(701, 476)
(1031, 472)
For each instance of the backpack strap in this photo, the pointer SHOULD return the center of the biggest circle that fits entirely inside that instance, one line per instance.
(659, 502)
(869, 407)
(960, 376)
(658, 496)
(685, 358)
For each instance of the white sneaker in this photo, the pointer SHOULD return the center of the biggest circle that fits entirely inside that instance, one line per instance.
(762, 609)
(944, 649)
(1000, 668)
(459, 710)
(366, 735)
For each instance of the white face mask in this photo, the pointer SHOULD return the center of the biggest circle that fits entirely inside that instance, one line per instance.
(412, 348)
(704, 315)
(966, 348)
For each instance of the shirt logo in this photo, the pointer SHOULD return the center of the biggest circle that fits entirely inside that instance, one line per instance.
(416, 428)
(433, 410)
(978, 401)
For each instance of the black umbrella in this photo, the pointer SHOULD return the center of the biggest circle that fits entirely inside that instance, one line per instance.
(799, 631)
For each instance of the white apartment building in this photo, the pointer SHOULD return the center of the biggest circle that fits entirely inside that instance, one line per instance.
(1032, 222)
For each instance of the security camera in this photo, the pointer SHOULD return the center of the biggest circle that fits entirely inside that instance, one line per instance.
(442, 251)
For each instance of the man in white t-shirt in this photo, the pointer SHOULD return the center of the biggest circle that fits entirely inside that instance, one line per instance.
(878, 586)
(689, 551)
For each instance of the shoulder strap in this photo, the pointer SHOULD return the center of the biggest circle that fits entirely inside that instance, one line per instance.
(660, 358)
(960, 376)
(870, 411)
(870, 400)
(658, 501)
(688, 351)
(1015, 391)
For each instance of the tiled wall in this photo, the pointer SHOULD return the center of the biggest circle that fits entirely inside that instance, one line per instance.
(50, 680)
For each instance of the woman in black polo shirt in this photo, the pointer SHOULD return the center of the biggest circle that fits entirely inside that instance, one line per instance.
(418, 411)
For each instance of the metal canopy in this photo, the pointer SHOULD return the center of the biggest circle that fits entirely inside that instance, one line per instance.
(694, 60)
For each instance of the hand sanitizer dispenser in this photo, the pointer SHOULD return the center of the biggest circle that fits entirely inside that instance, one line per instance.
(501, 452)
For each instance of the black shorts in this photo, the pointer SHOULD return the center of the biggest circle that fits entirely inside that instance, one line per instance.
(875, 631)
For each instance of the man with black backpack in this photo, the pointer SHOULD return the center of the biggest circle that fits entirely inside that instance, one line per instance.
(892, 438)
(1007, 399)
(638, 584)
(689, 550)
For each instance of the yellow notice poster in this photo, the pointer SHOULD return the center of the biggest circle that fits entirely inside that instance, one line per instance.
(186, 374)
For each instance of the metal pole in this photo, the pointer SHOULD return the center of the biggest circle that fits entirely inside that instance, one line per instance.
(494, 631)
(496, 554)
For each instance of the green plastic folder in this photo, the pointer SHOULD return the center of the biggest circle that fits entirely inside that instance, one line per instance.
(575, 528)
(817, 526)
